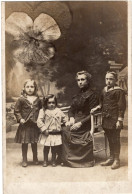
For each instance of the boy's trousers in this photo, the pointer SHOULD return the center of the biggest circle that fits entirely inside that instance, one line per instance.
(113, 136)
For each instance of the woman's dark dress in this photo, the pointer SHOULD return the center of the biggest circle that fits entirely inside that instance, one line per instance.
(27, 132)
(78, 145)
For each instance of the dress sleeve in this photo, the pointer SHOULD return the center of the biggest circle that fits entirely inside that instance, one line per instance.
(40, 120)
(121, 105)
(17, 110)
(72, 110)
(92, 102)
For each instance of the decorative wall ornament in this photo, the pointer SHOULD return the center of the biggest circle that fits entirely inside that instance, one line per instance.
(33, 38)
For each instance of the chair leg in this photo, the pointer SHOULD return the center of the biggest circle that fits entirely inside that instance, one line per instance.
(94, 148)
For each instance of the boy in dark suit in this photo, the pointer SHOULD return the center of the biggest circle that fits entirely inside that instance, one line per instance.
(113, 105)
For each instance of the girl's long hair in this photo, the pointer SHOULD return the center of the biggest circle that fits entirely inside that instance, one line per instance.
(23, 93)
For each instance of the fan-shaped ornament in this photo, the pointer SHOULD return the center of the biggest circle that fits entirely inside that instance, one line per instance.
(33, 38)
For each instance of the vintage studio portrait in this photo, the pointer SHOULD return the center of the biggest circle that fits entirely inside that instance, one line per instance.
(66, 72)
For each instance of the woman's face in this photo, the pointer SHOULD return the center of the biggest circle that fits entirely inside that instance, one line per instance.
(51, 104)
(82, 81)
(29, 88)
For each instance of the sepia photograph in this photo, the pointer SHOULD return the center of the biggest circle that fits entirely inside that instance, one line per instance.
(65, 97)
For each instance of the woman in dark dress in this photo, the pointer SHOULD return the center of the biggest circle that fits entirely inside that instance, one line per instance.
(77, 140)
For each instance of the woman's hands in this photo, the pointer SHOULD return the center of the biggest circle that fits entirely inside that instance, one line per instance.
(76, 126)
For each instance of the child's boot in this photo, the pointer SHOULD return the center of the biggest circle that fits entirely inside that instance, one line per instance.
(34, 150)
(59, 155)
(116, 163)
(108, 162)
(53, 150)
(24, 154)
(46, 151)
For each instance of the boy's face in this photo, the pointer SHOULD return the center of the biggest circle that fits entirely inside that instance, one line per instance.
(51, 104)
(110, 80)
(29, 88)
(82, 81)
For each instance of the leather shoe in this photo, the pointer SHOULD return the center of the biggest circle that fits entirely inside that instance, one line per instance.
(45, 164)
(53, 164)
(107, 162)
(35, 161)
(62, 164)
(24, 164)
(116, 164)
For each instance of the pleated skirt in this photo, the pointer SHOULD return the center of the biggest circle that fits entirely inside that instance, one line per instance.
(27, 133)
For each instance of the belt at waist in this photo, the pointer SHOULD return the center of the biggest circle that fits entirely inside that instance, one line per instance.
(54, 133)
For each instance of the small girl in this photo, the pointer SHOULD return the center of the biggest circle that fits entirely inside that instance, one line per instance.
(49, 121)
(26, 111)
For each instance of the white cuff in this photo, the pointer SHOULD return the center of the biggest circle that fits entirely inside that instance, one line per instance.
(43, 128)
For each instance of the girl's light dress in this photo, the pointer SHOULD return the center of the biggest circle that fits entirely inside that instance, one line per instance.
(51, 120)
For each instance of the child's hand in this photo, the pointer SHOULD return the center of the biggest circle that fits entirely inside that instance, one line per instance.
(119, 125)
(22, 121)
(72, 121)
(67, 123)
(94, 109)
(46, 132)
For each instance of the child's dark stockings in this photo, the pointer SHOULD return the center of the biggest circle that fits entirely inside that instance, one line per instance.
(24, 154)
(34, 150)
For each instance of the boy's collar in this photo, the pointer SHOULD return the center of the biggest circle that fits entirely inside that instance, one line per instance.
(112, 88)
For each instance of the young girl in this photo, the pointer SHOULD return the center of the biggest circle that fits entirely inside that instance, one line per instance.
(49, 121)
(113, 104)
(26, 111)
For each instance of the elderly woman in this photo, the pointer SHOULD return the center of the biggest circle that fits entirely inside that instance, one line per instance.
(77, 140)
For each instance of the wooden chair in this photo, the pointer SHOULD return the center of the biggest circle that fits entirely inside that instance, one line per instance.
(97, 132)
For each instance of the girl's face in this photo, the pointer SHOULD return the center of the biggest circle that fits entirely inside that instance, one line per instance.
(110, 80)
(29, 88)
(82, 81)
(51, 104)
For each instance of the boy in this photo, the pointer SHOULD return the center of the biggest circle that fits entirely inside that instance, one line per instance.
(113, 105)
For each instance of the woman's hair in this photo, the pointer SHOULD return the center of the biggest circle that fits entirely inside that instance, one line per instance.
(113, 73)
(35, 87)
(88, 75)
(46, 98)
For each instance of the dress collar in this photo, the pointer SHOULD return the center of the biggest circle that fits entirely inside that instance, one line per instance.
(51, 112)
(84, 89)
(25, 98)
